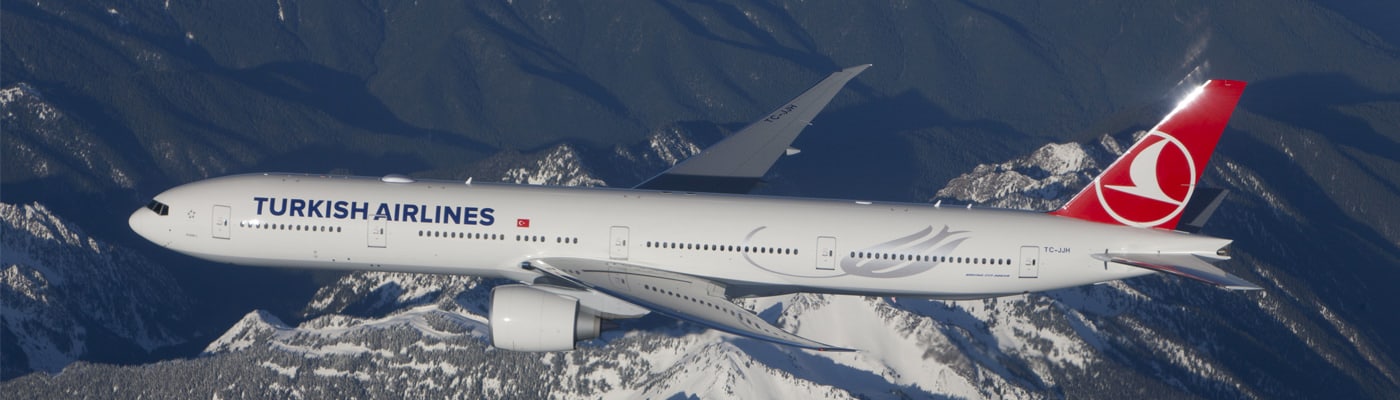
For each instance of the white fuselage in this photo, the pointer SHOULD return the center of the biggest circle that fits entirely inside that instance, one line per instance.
(757, 245)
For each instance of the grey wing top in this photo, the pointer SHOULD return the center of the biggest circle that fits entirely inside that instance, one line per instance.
(735, 164)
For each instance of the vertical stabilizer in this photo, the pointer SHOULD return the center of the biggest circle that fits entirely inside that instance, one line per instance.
(1151, 184)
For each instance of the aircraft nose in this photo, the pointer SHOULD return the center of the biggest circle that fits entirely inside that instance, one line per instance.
(141, 222)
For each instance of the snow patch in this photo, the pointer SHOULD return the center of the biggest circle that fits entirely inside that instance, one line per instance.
(560, 167)
(1039, 181)
(290, 372)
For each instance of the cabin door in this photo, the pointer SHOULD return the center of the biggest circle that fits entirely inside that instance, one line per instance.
(379, 232)
(221, 222)
(617, 239)
(1030, 261)
(826, 253)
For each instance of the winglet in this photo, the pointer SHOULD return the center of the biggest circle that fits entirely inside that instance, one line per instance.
(735, 164)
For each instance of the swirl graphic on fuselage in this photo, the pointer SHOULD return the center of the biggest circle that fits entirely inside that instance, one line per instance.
(882, 260)
(749, 257)
(903, 256)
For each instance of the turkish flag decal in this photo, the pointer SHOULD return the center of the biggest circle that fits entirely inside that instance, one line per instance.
(522, 223)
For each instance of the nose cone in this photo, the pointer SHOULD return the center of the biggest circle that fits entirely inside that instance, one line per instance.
(143, 223)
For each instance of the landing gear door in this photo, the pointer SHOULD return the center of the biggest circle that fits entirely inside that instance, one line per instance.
(1030, 261)
(221, 222)
(378, 232)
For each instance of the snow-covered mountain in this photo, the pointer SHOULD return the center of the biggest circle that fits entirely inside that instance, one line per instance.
(1041, 181)
(568, 165)
(560, 166)
(67, 295)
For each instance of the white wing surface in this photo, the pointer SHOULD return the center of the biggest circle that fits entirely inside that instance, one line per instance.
(677, 295)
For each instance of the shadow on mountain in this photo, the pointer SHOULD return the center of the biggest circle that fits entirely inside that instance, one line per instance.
(549, 64)
(1039, 47)
(116, 137)
(766, 43)
(340, 160)
(342, 96)
(1316, 102)
(1346, 277)
(381, 301)
(1282, 173)
(1378, 16)
(1313, 102)
(873, 150)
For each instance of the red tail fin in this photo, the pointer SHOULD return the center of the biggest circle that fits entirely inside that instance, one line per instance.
(1150, 184)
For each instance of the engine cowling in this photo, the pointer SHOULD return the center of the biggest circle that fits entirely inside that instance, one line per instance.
(527, 319)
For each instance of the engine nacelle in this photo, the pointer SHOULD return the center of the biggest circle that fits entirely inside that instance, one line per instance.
(527, 319)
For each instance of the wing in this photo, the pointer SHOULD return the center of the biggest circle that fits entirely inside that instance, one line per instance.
(735, 164)
(680, 296)
(1185, 265)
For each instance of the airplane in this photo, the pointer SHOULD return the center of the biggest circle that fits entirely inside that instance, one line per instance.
(689, 241)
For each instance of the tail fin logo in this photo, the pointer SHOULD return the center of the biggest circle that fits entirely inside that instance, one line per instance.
(1149, 186)
(1158, 182)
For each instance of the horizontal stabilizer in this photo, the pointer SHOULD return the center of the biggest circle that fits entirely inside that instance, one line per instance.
(1184, 265)
(680, 296)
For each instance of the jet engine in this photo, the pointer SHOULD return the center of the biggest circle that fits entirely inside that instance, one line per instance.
(527, 319)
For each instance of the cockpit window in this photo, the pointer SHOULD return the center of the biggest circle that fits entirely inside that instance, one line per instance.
(158, 207)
